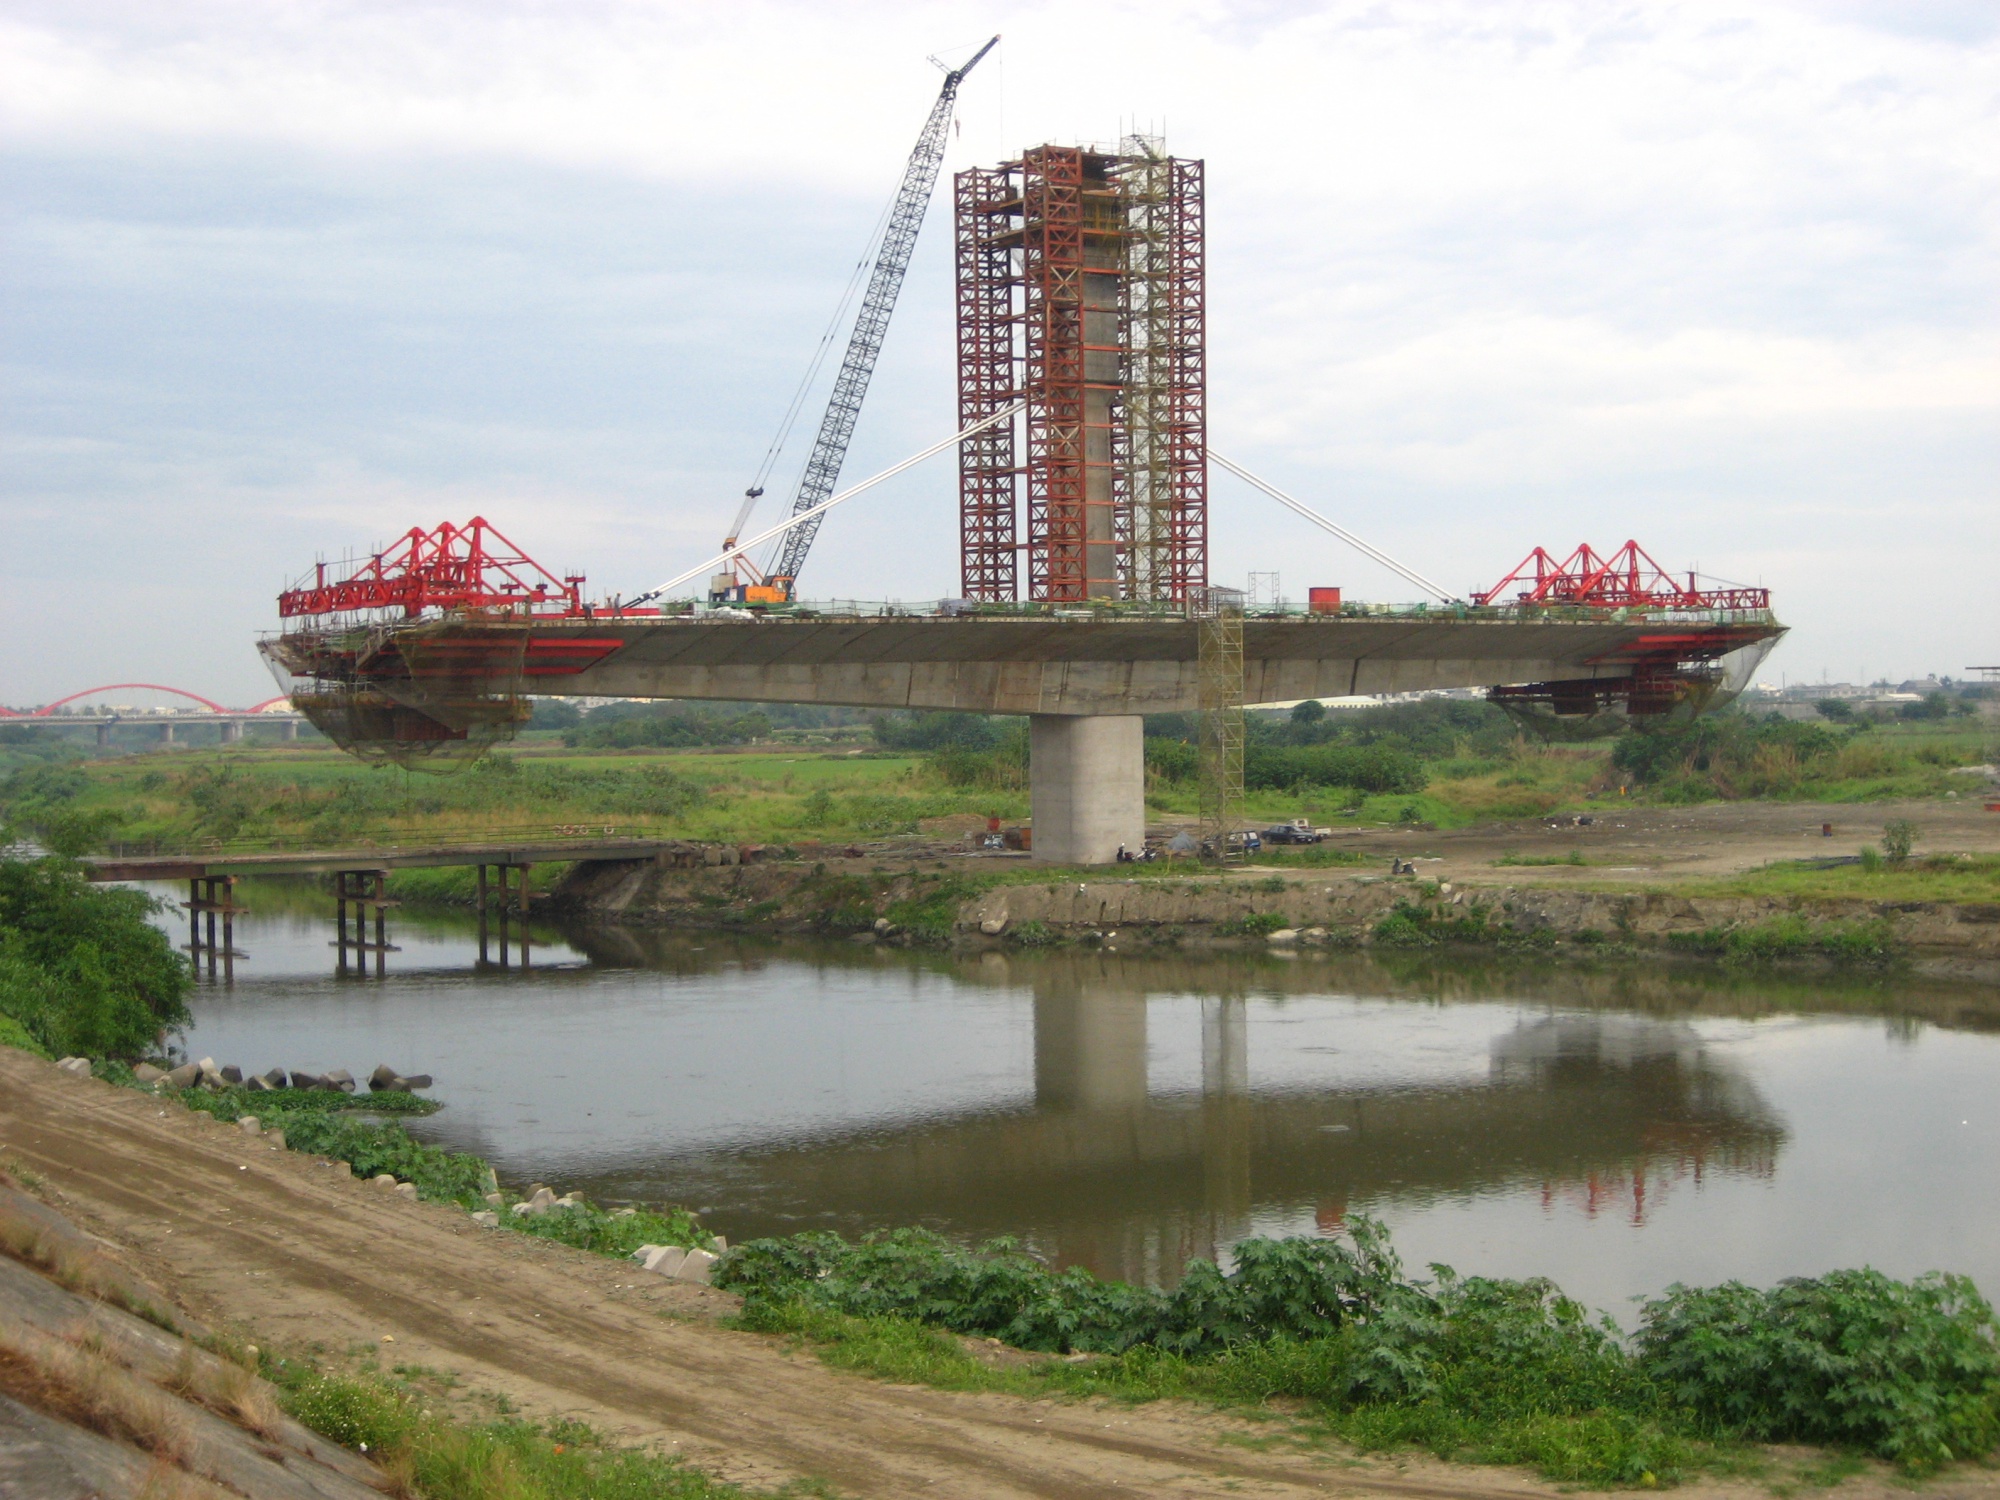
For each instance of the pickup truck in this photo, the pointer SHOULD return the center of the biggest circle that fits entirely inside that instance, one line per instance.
(1298, 831)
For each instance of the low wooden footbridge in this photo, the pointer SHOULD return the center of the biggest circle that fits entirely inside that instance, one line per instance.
(360, 885)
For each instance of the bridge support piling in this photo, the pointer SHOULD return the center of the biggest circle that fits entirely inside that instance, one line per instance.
(103, 734)
(361, 890)
(1087, 786)
(232, 731)
(493, 897)
(210, 896)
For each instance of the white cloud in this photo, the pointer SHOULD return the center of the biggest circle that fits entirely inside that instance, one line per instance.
(1483, 275)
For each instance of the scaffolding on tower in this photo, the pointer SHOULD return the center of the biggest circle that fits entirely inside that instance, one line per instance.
(1081, 290)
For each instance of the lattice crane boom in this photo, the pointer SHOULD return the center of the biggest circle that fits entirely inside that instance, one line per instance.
(864, 345)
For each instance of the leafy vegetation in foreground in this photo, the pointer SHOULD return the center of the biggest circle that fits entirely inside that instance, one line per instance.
(1469, 1367)
(82, 969)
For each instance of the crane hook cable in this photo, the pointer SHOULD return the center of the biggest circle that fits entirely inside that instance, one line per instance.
(828, 504)
(1374, 553)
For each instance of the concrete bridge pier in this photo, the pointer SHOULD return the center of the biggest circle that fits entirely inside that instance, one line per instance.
(1087, 786)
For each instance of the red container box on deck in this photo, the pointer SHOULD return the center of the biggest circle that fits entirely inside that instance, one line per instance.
(1323, 601)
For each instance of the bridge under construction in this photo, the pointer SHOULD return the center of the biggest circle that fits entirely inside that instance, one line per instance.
(1085, 597)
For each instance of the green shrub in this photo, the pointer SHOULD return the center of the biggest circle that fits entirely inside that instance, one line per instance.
(1299, 1288)
(1257, 924)
(1907, 1370)
(1413, 925)
(82, 969)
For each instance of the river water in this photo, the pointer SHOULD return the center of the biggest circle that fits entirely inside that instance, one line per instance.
(1616, 1129)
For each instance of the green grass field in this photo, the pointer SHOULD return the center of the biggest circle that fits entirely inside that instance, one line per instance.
(310, 795)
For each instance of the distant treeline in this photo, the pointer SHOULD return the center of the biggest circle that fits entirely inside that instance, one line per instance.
(680, 723)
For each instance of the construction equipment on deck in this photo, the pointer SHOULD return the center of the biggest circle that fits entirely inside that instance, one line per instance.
(743, 582)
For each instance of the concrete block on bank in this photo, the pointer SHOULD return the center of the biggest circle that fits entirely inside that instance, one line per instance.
(406, 1189)
(1283, 936)
(697, 1267)
(76, 1067)
(185, 1076)
(488, 1218)
(717, 1243)
(343, 1169)
(249, 1124)
(496, 1200)
(384, 1180)
(304, 1080)
(210, 1073)
(231, 1074)
(340, 1079)
(276, 1138)
(147, 1073)
(663, 1260)
(993, 926)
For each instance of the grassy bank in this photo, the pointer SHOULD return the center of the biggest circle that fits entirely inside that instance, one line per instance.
(1974, 878)
(396, 1419)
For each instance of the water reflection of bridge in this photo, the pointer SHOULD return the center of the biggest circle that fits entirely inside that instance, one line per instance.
(1102, 1170)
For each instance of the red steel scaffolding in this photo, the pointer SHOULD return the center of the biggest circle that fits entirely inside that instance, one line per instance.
(1081, 288)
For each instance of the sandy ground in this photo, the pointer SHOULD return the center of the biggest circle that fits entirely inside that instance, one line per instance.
(281, 1246)
(1675, 845)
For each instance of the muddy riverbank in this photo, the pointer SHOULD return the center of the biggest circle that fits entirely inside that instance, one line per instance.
(945, 903)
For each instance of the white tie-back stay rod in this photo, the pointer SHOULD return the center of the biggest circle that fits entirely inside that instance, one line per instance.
(827, 504)
(1298, 507)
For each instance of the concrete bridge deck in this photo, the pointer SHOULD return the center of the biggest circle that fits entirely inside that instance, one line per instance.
(1097, 663)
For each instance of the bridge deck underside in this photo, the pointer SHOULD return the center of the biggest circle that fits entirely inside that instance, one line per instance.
(984, 665)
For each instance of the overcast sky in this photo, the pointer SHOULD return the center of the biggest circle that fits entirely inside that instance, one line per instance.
(282, 280)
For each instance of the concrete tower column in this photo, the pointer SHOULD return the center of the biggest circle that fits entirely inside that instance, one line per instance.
(1087, 786)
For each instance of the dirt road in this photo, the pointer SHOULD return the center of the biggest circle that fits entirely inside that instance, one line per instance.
(1655, 846)
(278, 1244)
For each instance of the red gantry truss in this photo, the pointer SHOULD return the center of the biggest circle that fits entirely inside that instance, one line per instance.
(1628, 579)
(470, 567)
